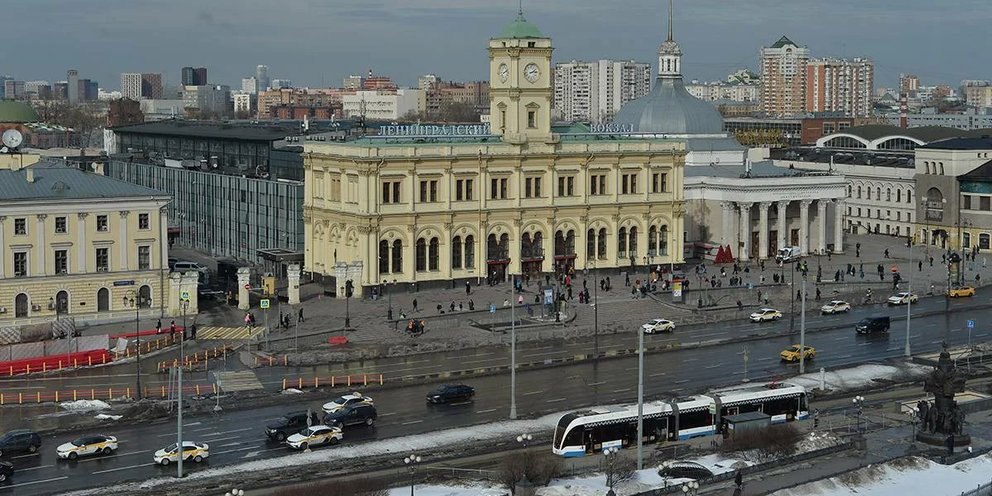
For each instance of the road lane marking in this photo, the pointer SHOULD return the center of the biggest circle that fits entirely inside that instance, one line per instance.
(483, 360)
(412, 422)
(246, 448)
(219, 433)
(624, 390)
(555, 400)
(122, 468)
(715, 365)
(658, 374)
(690, 359)
(116, 454)
(683, 381)
(222, 438)
(486, 411)
(33, 468)
(386, 414)
(25, 456)
(533, 392)
(846, 356)
(228, 445)
(34, 482)
(600, 383)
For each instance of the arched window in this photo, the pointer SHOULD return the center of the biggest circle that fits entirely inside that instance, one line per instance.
(421, 255)
(559, 243)
(941, 168)
(144, 298)
(652, 241)
(663, 240)
(909, 196)
(504, 244)
(492, 248)
(622, 242)
(103, 300)
(456, 252)
(878, 193)
(632, 245)
(384, 257)
(570, 243)
(469, 252)
(526, 245)
(397, 256)
(859, 191)
(898, 195)
(601, 246)
(590, 244)
(62, 301)
(966, 240)
(868, 193)
(537, 247)
(435, 254)
(849, 190)
(21, 306)
(888, 194)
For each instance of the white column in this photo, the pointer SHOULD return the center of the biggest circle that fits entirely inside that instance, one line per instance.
(3, 256)
(726, 237)
(163, 242)
(838, 226)
(81, 242)
(42, 247)
(763, 229)
(804, 226)
(123, 241)
(294, 284)
(244, 273)
(783, 208)
(821, 225)
(745, 235)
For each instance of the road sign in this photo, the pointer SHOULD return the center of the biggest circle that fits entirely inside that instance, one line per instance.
(492, 308)
(184, 296)
(263, 303)
(971, 324)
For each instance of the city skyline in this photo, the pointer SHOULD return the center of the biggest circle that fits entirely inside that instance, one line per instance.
(404, 44)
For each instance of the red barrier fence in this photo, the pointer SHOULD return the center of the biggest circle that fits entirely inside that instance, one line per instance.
(333, 381)
(8, 398)
(55, 362)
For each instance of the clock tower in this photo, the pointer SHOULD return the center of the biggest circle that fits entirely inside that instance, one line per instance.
(520, 93)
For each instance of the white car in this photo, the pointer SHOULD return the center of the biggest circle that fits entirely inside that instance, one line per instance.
(346, 400)
(765, 315)
(87, 445)
(658, 325)
(836, 306)
(903, 298)
(317, 435)
(191, 451)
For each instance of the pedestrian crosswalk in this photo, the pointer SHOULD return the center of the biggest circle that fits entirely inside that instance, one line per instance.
(218, 332)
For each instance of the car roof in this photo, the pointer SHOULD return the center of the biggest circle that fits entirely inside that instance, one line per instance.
(838, 301)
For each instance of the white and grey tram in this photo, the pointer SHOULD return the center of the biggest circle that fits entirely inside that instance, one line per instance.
(589, 431)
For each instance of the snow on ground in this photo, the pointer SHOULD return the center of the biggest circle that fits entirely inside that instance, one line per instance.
(901, 477)
(104, 416)
(85, 405)
(861, 376)
(291, 391)
(466, 490)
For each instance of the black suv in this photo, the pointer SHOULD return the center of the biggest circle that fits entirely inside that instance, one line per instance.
(869, 325)
(21, 440)
(352, 415)
(6, 470)
(289, 424)
(451, 392)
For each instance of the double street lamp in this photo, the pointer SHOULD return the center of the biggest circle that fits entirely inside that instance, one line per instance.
(690, 488)
(132, 298)
(412, 461)
(859, 402)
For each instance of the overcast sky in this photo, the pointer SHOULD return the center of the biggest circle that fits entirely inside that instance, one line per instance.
(317, 42)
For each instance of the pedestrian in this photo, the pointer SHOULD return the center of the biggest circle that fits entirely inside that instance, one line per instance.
(817, 294)
(943, 259)
(192, 331)
(414, 304)
(828, 255)
(886, 253)
(285, 322)
(626, 279)
(602, 284)
(584, 285)
(468, 288)
(172, 327)
(247, 320)
(931, 261)
(461, 307)
(439, 309)
(158, 326)
(300, 318)
(919, 266)
(608, 285)
(471, 305)
(506, 302)
(978, 279)
(547, 279)
(740, 306)
(520, 299)
(452, 306)
(280, 317)
(799, 295)
(569, 292)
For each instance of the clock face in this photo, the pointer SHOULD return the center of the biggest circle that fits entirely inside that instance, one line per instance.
(531, 72)
(504, 72)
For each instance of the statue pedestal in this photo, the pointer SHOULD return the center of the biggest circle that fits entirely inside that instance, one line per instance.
(939, 439)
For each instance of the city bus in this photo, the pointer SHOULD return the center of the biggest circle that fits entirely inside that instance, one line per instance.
(593, 430)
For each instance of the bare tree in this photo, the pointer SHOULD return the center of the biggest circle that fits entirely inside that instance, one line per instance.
(513, 468)
(619, 468)
(359, 487)
(540, 470)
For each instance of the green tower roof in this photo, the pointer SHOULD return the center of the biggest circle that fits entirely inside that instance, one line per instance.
(520, 28)
(17, 112)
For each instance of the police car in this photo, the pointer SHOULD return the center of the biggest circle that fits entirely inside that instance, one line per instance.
(87, 445)
(316, 435)
(191, 451)
(347, 400)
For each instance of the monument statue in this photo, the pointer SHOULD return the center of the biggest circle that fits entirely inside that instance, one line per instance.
(943, 418)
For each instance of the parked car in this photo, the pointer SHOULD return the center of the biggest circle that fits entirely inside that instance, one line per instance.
(6, 471)
(449, 393)
(352, 415)
(869, 325)
(658, 325)
(316, 435)
(191, 451)
(289, 424)
(961, 291)
(836, 306)
(346, 400)
(903, 298)
(765, 315)
(87, 445)
(188, 266)
(791, 354)
(19, 441)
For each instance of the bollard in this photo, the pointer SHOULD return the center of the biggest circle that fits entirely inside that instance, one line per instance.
(270, 361)
(215, 388)
(28, 369)
(56, 395)
(197, 389)
(127, 352)
(110, 393)
(75, 362)
(301, 383)
(163, 391)
(349, 380)
(90, 358)
(12, 371)
(380, 379)
(332, 381)
(365, 380)
(256, 361)
(20, 398)
(285, 360)
(284, 383)
(73, 395)
(39, 396)
(1, 399)
(92, 394)
(44, 367)
(316, 381)
(60, 364)
(128, 393)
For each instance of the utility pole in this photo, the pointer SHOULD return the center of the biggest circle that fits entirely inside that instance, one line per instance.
(909, 301)
(640, 399)
(802, 330)
(513, 350)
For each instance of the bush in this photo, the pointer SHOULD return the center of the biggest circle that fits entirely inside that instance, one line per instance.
(538, 469)
(359, 487)
(772, 441)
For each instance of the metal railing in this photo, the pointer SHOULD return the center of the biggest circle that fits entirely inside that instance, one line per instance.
(981, 490)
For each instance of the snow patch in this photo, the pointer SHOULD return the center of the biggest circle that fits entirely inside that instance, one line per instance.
(85, 405)
(291, 391)
(104, 416)
(861, 376)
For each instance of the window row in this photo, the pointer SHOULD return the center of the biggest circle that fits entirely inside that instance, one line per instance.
(61, 305)
(984, 241)
(22, 266)
(933, 167)
(878, 214)
(976, 202)
(866, 193)
(62, 224)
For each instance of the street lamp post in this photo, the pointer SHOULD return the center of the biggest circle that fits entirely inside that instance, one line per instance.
(909, 301)
(611, 459)
(690, 488)
(595, 312)
(136, 304)
(792, 304)
(412, 461)
(179, 395)
(640, 399)
(859, 402)
(513, 351)
(802, 331)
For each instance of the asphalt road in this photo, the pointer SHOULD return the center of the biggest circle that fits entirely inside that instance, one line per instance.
(237, 436)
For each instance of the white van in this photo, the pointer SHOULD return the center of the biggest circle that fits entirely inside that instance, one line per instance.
(787, 254)
(188, 266)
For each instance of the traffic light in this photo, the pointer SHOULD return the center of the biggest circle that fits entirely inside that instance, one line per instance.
(349, 289)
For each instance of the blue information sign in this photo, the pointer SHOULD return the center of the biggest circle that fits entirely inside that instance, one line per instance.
(971, 324)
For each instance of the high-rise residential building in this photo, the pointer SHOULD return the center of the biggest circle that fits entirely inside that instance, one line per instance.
(194, 76)
(89, 90)
(3, 89)
(41, 90)
(207, 98)
(783, 78)
(131, 85)
(249, 85)
(595, 91)
(278, 84)
(242, 102)
(978, 94)
(840, 85)
(353, 83)
(152, 85)
(909, 84)
(13, 89)
(261, 78)
(72, 79)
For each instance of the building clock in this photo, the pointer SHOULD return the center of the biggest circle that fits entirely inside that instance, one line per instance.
(504, 72)
(531, 72)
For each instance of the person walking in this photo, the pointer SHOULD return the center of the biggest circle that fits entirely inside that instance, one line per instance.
(817, 294)
(300, 317)
(468, 288)
(919, 266)
(172, 327)
(414, 304)
(158, 326)
(886, 253)
(192, 331)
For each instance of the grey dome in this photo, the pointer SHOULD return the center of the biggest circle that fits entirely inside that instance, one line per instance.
(670, 109)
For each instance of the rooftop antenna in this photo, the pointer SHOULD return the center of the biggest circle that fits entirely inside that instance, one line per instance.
(520, 10)
(671, 14)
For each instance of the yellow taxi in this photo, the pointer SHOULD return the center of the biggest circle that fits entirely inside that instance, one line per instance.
(791, 354)
(315, 435)
(87, 445)
(961, 291)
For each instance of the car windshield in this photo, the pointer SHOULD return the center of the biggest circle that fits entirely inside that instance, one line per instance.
(171, 448)
(80, 442)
